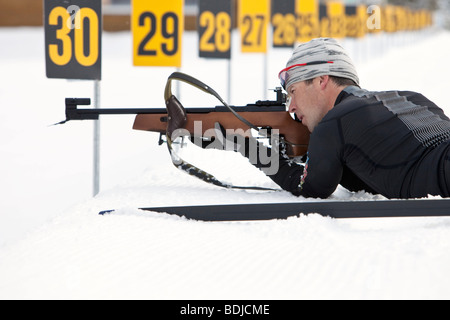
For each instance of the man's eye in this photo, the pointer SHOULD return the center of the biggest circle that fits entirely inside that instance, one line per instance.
(288, 102)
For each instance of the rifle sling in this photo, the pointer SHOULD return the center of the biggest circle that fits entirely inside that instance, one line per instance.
(200, 85)
(203, 175)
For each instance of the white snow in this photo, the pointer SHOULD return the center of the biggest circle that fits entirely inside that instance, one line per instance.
(54, 245)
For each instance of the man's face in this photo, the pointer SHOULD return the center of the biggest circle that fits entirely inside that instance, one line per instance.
(307, 102)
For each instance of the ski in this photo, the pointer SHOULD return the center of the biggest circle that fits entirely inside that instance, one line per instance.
(333, 209)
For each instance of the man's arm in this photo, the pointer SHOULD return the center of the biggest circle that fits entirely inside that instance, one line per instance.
(323, 170)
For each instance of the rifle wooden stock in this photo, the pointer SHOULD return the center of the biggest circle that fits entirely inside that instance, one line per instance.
(296, 134)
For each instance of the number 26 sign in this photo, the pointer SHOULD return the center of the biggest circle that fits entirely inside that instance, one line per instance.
(73, 31)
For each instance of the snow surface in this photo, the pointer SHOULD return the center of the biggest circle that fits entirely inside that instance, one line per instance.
(54, 245)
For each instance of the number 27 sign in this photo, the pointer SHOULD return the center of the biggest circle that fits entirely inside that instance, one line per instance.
(73, 39)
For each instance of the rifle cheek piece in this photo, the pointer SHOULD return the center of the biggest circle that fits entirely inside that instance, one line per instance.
(176, 115)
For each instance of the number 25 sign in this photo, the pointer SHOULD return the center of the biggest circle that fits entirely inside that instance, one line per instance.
(157, 27)
(73, 39)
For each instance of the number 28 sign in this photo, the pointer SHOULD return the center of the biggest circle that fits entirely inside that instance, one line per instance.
(73, 39)
(157, 27)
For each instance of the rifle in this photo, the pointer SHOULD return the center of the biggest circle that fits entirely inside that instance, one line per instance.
(175, 120)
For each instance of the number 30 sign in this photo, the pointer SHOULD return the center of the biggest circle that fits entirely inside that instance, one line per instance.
(73, 39)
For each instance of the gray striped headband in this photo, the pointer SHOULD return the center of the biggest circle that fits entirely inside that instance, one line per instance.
(318, 57)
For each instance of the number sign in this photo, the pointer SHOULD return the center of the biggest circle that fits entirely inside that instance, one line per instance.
(157, 27)
(214, 29)
(283, 22)
(332, 20)
(253, 22)
(355, 17)
(336, 14)
(73, 39)
(308, 26)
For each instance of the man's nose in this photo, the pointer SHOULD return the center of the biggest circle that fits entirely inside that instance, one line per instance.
(291, 106)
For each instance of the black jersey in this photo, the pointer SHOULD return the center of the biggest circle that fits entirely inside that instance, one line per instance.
(394, 143)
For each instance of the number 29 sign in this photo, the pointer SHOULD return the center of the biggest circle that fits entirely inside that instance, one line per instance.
(73, 31)
(157, 27)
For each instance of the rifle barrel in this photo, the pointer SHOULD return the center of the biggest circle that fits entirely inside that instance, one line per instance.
(75, 113)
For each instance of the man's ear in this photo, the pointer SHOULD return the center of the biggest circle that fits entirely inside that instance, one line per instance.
(323, 81)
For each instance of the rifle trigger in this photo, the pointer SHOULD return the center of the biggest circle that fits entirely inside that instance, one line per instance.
(161, 140)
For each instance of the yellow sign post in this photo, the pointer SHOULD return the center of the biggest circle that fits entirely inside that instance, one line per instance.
(336, 16)
(253, 23)
(157, 28)
(308, 26)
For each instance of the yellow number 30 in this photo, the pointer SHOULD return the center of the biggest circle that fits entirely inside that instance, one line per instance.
(63, 56)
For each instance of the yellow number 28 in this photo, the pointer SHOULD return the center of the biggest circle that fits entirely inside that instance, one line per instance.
(217, 27)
